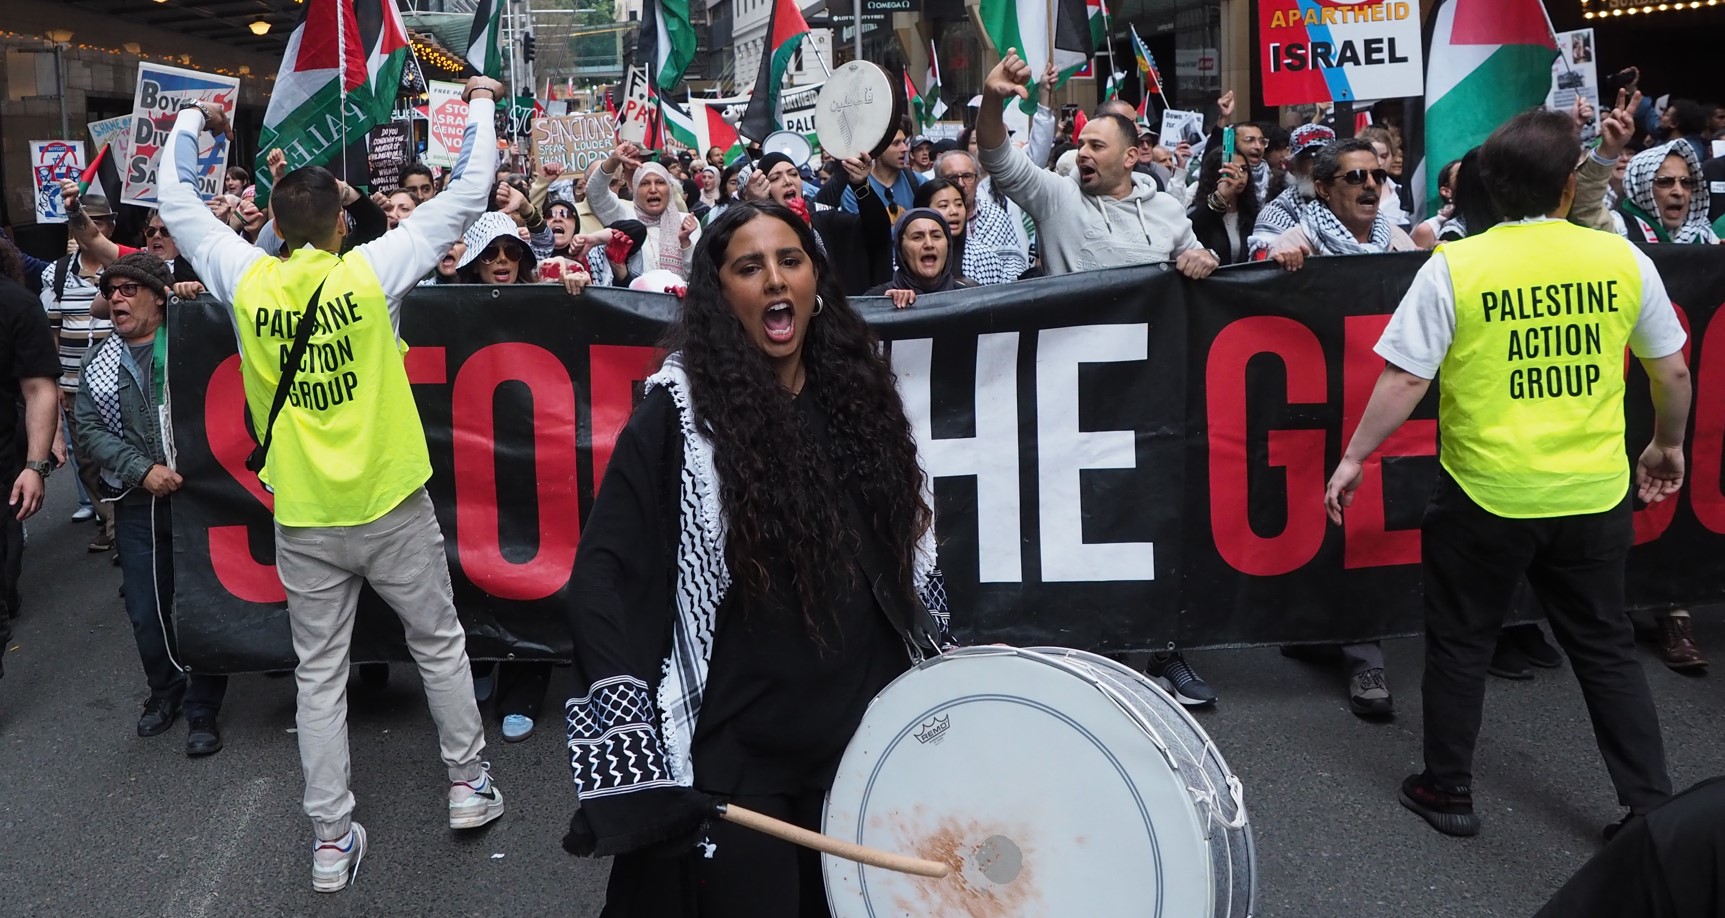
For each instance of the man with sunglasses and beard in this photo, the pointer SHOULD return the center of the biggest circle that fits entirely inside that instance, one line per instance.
(346, 457)
(1344, 220)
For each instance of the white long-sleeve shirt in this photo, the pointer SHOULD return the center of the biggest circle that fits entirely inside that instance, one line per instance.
(400, 257)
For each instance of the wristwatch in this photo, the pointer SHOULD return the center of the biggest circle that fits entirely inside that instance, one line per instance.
(41, 467)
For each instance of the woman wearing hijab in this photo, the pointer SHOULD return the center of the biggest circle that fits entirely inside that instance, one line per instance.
(710, 179)
(922, 244)
(758, 565)
(671, 233)
(947, 199)
(1661, 197)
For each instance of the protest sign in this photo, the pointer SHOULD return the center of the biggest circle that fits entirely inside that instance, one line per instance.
(110, 131)
(51, 161)
(161, 92)
(636, 111)
(448, 123)
(1119, 459)
(1340, 52)
(1575, 73)
(576, 141)
(1181, 127)
(389, 147)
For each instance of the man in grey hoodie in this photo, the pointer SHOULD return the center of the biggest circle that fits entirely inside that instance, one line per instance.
(1110, 216)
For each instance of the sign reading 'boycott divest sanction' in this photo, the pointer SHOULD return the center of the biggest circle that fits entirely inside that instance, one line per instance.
(1121, 459)
(1340, 50)
(161, 93)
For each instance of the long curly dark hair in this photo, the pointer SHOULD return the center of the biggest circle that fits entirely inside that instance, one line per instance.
(782, 490)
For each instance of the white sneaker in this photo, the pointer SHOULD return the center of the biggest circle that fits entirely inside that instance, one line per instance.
(335, 864)
(473, 804)
(83, 515)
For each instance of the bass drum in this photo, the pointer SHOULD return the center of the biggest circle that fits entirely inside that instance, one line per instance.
(1053, 782)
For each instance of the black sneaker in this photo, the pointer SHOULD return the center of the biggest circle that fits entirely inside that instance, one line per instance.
(158, 716)
(202, 736)
(1507, 660)
(1530, 640)
(1448, 809)
(1369, 694)
(1177, 678)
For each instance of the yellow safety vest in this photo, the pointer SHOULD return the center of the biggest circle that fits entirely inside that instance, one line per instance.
(348, 446)
(1530, 408)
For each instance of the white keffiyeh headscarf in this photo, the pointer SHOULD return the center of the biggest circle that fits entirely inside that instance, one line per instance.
(666, 226)
(1638, 190)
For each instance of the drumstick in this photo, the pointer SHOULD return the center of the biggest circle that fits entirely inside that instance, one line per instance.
(797, 835)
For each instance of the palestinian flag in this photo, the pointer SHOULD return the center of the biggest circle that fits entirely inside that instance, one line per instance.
(338, 79)
(667, 45)
(712, 130)
(931, 86)
(1487, 61)
(679, 126)
(914, 101)
(485, 39)
(1023, 24)
(1097, 12)
(786, 30)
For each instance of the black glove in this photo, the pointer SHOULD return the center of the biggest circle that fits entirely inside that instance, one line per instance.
(666, 819)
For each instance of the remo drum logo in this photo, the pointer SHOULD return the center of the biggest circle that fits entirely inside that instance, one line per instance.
(934, 731)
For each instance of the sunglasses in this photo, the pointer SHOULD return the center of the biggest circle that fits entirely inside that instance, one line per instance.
(128, 289)
(494, 251)
(1358, 176)
(151, 232)
(1671, 181)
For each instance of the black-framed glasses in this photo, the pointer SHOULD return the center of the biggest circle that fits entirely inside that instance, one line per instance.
(151, 232)
(1671, 181)
(509, 250)
(1358, 176)
(127, 289)
(963, 178)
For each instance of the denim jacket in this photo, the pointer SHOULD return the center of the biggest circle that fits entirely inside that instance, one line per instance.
(129, 456)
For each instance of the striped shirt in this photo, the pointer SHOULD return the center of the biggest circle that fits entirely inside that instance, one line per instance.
(75, 330)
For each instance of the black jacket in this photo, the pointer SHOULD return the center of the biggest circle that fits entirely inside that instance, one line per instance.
(859, 245)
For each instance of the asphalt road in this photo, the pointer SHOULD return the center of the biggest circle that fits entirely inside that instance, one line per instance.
(97, 821)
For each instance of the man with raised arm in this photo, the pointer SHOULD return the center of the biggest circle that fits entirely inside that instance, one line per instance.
(346, 458)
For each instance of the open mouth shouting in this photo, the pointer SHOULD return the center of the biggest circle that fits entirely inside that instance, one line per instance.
(780, 322)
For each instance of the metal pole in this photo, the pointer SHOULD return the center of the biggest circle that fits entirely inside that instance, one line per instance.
(856, 23)
(60, 75)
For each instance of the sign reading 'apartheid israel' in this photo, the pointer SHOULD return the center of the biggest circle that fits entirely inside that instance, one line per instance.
(1340, 50)
(1120, 459)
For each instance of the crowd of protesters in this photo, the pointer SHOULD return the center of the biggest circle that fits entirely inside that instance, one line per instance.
(921, 219)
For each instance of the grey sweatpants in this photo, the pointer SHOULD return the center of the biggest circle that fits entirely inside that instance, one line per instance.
(401, 555)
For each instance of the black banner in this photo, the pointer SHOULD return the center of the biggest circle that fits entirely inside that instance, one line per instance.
(1122, 459)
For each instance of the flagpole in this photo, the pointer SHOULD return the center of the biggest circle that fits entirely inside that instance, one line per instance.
(1050, 89)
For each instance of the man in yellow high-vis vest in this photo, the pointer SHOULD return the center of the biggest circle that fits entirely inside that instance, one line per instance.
(347, 459)
(1527, 325)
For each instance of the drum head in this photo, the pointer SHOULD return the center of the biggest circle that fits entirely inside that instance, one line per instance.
(859, 111)
(1023, 775)
(790, 143)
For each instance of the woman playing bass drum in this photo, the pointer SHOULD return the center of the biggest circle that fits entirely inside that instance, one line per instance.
(757, 566)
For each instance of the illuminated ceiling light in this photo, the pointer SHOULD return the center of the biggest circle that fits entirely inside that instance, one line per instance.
(131, 47)
(245, 70)
(259, 27)
(58, 36)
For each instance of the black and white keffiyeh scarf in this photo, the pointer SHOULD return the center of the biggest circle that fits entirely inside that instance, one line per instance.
(623, 736)
(992, 254)
(103, 378)
(1640, 212)
(1330, 237)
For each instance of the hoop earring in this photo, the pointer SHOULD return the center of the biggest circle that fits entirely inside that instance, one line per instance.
(820, 304)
